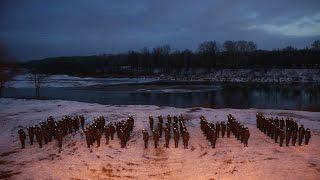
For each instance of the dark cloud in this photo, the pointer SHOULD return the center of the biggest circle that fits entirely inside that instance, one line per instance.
(38, 28)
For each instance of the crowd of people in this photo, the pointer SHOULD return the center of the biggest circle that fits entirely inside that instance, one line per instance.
(176, 123)
(95, 131)
(240, 132)
(284, 130)
(212, 131)
(277, 129)
(46, 131)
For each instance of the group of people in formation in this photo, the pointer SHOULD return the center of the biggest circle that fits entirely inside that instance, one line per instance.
(277, 129)
(95, 131)
(176, 123)
(50, 129)
(212, 131)
(240, 132)
(284, 130)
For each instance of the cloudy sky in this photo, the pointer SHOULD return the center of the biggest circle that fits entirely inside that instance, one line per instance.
(33, 29)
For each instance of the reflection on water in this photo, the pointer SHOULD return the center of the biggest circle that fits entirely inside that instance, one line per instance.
(296, 97)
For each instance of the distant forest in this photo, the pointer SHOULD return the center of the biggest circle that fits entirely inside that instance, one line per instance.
(209, 55)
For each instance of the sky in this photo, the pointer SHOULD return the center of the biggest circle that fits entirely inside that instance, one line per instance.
(35, 29)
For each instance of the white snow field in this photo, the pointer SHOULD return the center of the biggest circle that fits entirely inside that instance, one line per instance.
(263, 159)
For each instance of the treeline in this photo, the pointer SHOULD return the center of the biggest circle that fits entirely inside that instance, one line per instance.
(231, 54)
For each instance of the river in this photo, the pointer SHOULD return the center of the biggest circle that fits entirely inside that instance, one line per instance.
(183, 94)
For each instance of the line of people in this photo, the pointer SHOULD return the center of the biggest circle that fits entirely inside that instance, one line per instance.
(209, 131)
(95, 131)
(178, 128)
(124, 129)
(45, 132)
(240, 132)
(284, 130)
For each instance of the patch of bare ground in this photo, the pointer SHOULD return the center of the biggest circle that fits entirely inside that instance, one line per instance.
(7, 174)
(130, 177)
(110, 156)
(205, 153)
(195, 109)
(127, 170)
(314, 166)
(187, 117)
(233, 170)
(162, 175)
(156, 159)
(132, 164)
(270, 158)
(2, 162)
(7, 153)
(161, 107)
(109, 172)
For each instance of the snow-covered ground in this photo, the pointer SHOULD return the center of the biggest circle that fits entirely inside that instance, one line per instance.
(263, 159)
(254, 75)
(23, 81)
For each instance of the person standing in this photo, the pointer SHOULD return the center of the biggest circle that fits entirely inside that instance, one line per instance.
(30, 134)
(167, 137)
(22, 137)
(307, 136)
(155, 137)
(145, 138)
(82, 121)
(107, 134)
(151, 123)
(176, 137)
(301, 134)
(223, 129)
(185, 138)
(246, 137)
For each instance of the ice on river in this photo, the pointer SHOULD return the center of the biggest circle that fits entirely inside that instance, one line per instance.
(23, 81)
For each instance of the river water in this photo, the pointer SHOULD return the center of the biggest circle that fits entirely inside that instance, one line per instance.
(185, 94)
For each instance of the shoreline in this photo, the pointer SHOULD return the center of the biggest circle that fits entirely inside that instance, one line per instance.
(275, 75)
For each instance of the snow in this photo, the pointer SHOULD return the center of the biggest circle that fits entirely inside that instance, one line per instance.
(253, 75)
(220, 75)
(23, 81)
(180, 90)
(263, 159)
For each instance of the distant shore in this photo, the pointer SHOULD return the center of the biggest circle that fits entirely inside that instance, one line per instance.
(223, 75)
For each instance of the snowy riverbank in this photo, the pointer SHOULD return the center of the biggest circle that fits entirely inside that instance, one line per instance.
(253, 75)
(263, 159)
(23, 81)
(213, 75)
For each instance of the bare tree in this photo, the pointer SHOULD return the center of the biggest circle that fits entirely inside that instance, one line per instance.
(6, 67)
(209, 47)
(162, 50)
(208, 50)
(159, 53)
(145, 51)
(4, 77)
(289, 49)
(231, 48)
(315, 45)
(38, 79)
